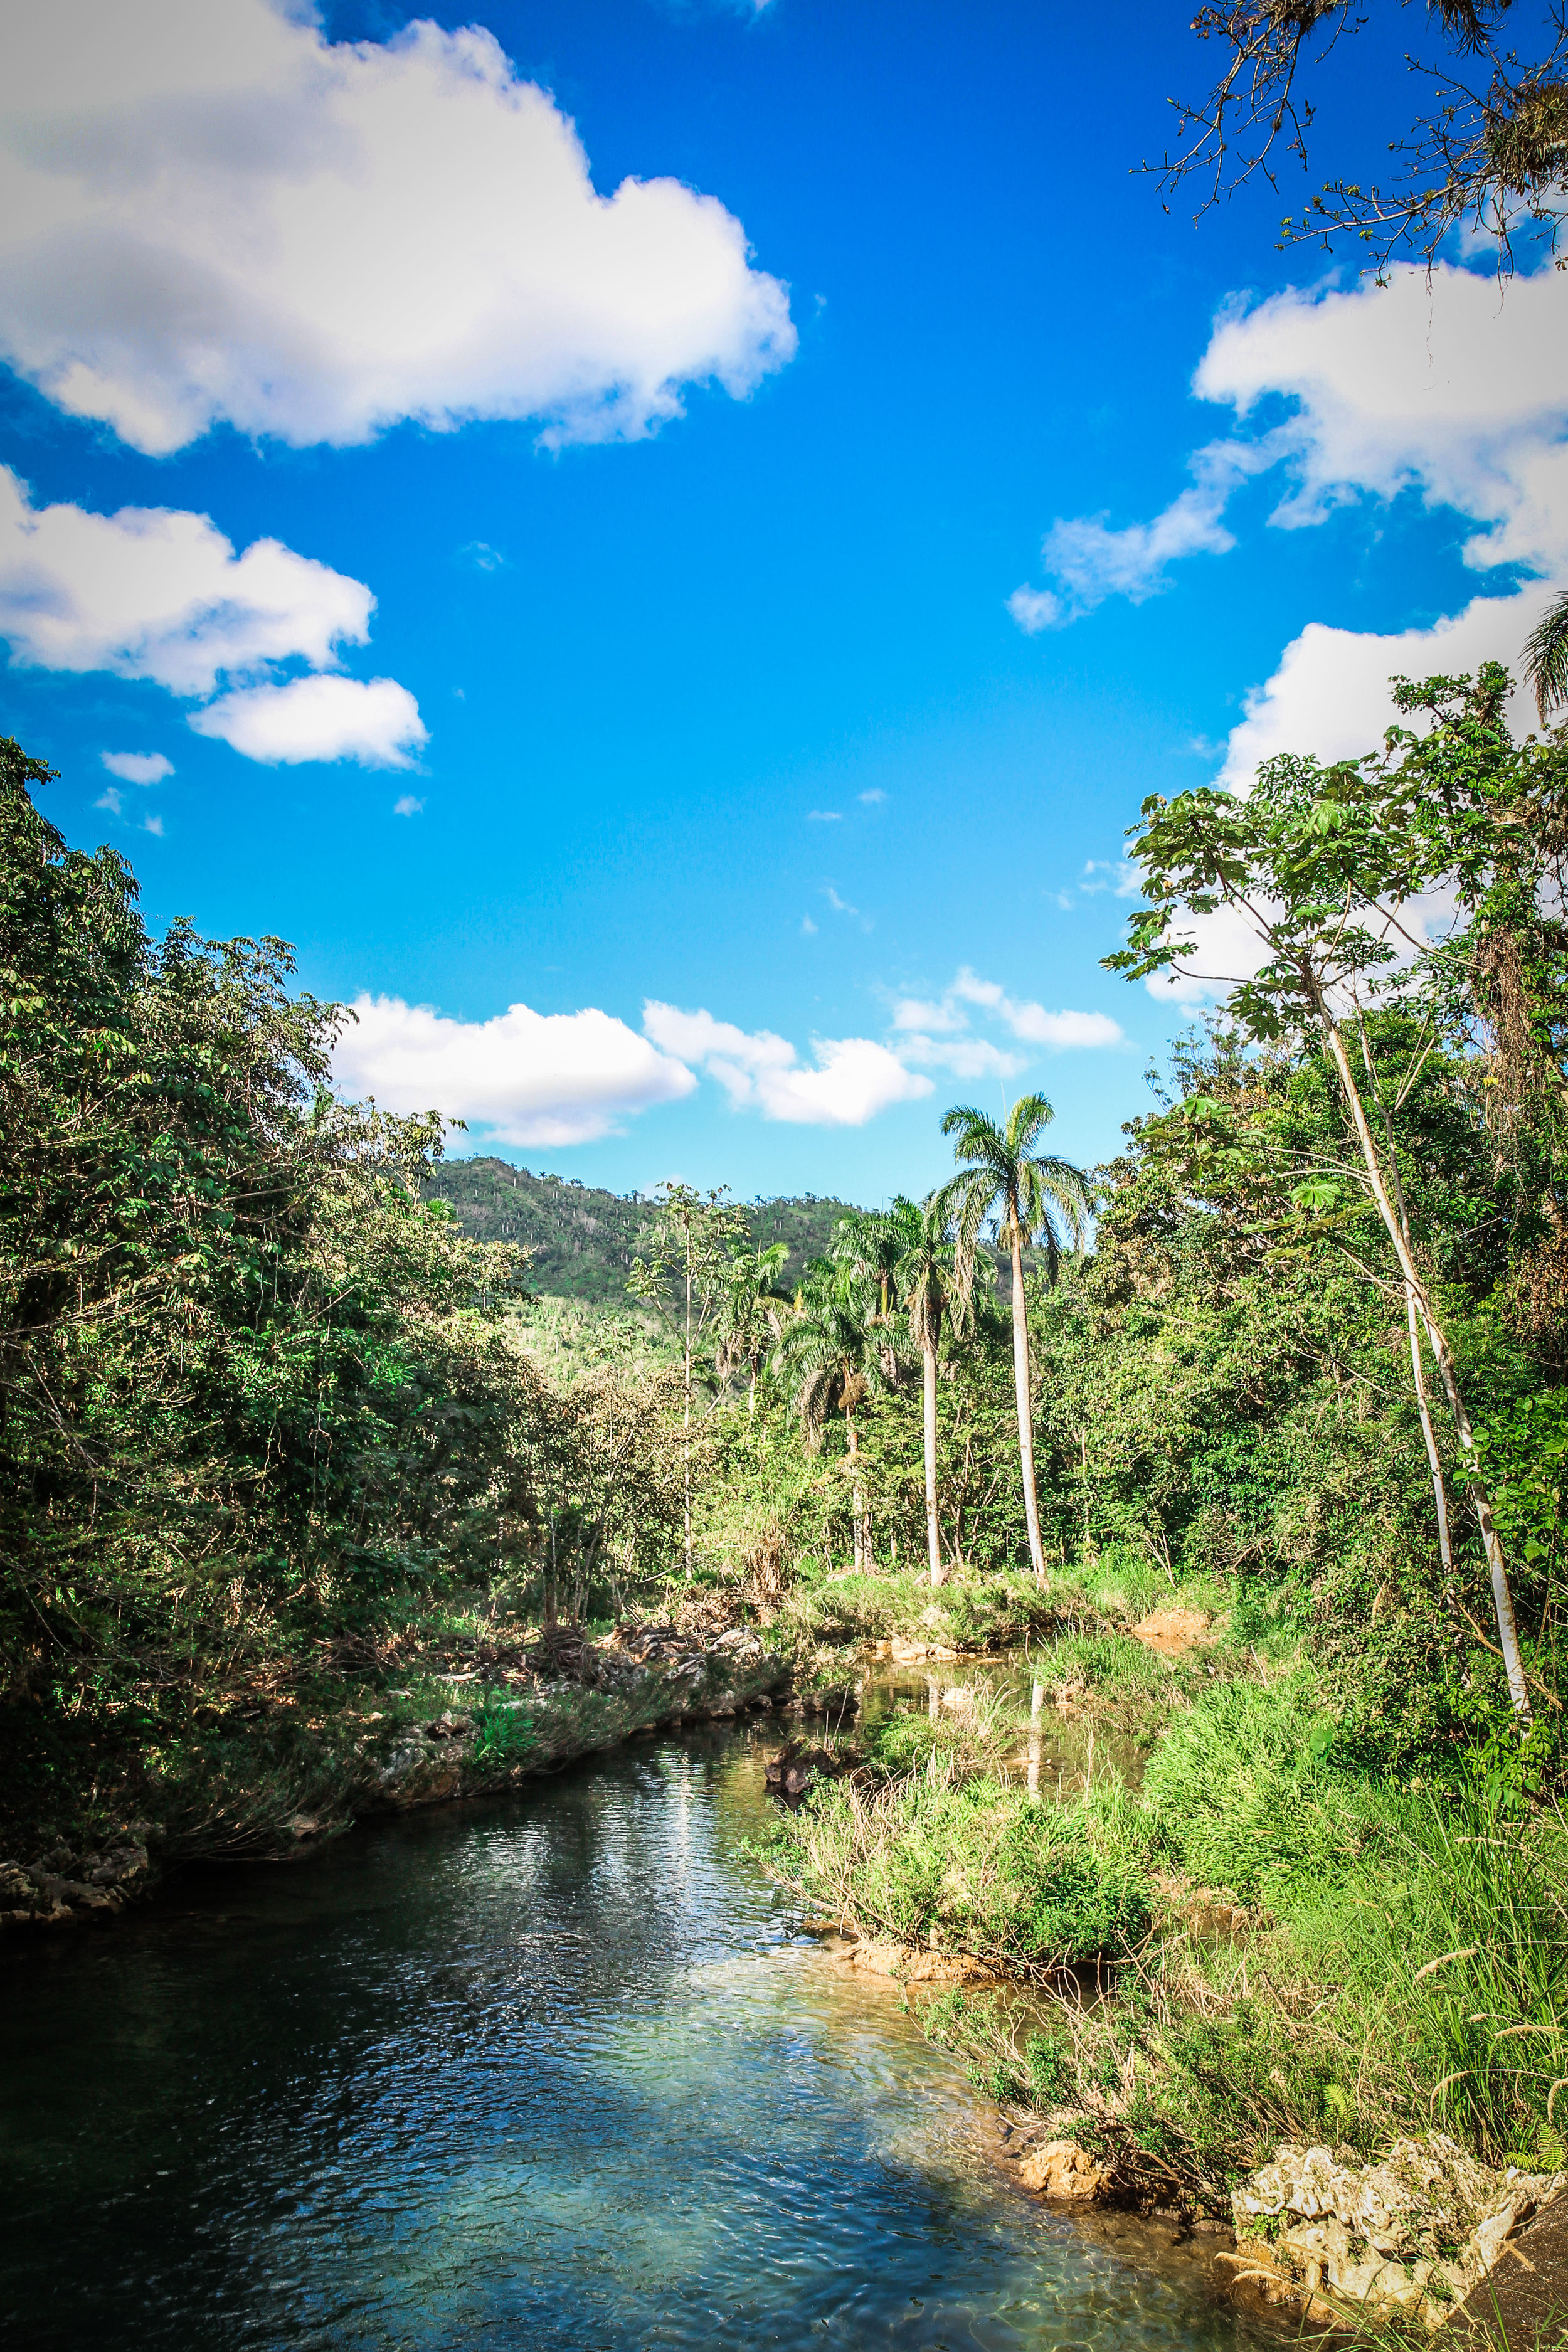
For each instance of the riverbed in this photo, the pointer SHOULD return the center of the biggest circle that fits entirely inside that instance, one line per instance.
(553, 2070)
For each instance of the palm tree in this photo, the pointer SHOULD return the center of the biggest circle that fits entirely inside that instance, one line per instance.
(928, 1286)
(1546, 659)
(1033, 1197)
(751, 1313)
(826, 1356)
(866, 1246)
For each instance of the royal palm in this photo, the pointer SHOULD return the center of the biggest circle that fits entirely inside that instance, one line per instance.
(1035, 1199)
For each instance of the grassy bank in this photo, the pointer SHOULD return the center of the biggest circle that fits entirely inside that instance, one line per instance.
(1261, 1944)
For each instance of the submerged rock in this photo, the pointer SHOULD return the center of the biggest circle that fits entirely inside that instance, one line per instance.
(1409, 2236)
(793, 1771)
(1059, 2168)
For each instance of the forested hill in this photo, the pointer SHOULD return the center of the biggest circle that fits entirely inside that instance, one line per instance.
(584, 1241)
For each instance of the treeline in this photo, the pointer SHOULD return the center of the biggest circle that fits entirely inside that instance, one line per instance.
(261, 1409)
(264, 1409)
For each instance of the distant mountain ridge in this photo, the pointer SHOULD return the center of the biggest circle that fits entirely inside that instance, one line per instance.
(584, 1240)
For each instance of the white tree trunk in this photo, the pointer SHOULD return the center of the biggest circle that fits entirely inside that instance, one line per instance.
(933, 1532)
(1448, 1368)
(1026, 1425)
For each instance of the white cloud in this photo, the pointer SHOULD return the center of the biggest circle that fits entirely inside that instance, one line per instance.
(920, 1022)
(153, 824)
(853, 1080)
(1035, 609)
(807, 928)
(824, 817)
(138, 767)
(375, 721)
(1445, 386)
(209, 214)
(874, 798)
(1450, 385)
(108, 799)
(1331, 694)
(964, 1057)
(407, 805)
(1061, 1031)
(158, 594)
(522, 1078)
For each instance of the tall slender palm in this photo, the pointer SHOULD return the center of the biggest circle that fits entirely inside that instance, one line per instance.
(751, 1315)
(1033, 1197)
(928, 1286)
(1546, 659)
(826, 1356)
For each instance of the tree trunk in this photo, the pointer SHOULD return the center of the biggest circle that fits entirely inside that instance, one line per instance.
(1037, 1709)
(1448, 1368)
(1434, 1459)
(933, 1532)
(686, 1419)
(1026, 1425)
(856, 1497)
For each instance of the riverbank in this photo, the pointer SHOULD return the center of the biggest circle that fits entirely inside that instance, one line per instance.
(1246, 1944)
(278, 1772)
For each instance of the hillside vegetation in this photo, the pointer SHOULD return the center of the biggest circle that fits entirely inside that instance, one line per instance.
(582, 1241)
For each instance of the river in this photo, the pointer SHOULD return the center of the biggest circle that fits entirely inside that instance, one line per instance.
(551, 2071)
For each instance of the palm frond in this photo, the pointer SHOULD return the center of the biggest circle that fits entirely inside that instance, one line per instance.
(1546, 659)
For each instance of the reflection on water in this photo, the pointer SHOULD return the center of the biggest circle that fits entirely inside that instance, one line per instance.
(549, 2073)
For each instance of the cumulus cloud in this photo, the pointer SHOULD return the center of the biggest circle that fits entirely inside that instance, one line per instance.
(138, 767)
(1446, 386)
(522, 1078)
(852, 1079)
(373, 720)
(937, 1031)
(157, 593)
(160, 594)
(1441, 385)
(1331, 694)
(210, 213)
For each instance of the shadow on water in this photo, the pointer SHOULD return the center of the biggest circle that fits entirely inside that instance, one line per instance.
(551, 2072)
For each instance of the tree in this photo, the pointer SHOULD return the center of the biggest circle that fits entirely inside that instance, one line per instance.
(1033, 1197)
(1321, 864)
(826, 1357)
(749, 1314)
(1546, 659)
(867, 1244)
(928, 1286)
(1488, 154)
(683, 1280)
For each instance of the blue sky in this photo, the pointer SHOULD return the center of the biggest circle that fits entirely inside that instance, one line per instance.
(722, 705)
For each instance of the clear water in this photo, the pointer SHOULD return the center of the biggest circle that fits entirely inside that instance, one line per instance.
(551, 2072)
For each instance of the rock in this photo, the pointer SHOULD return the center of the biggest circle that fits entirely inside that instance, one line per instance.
(1522, 2303)
(912, 1965)
(839, 1699)
(1171, 1632)
(1059, 2168)
(792, 1772)
(1374, 2236)
(1256, 2284)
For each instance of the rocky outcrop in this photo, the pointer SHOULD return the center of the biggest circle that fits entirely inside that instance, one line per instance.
(1409, 2237)
(63, 1885)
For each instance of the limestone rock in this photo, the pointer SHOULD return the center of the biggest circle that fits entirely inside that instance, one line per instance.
(1410, 2235)
(1059, 2168)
